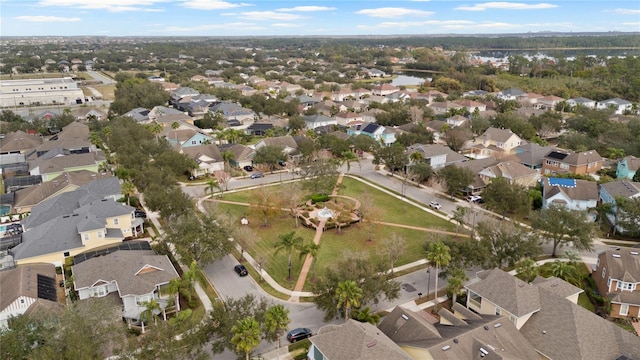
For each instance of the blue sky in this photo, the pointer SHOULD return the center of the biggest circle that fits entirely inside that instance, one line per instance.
(306, 17)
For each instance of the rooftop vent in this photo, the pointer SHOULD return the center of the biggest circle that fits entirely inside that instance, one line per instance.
(404, 317)
(446, 347)
(497, 325)
(486, 327)
(372, 344)
(455, 341)
(633, 253)
(483, 352)
(615, 255)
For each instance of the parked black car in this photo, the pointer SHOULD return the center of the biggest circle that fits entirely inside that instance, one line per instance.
(241, 270)
(248, 168)
(140, 214)
(298, 334)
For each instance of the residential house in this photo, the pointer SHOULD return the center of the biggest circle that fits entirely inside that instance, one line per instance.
(353, 340)
(493, 142)
(371, 114)
(318, 120)
(627, 167)
(26, 287)
(510, 94)
(459, 334)
(548, 102)
(307, 101)
(162, 111)
(286, 143)
(186, 135)
(87, 113)
(373, 72)
(445, 106)
(258, 129)
(55, 163)
(242, 155)
(514, 172)
(168, 120)
(473, 93)
(207, 156)
(457, 120)
(548, 316)
(384, 135)
(618, 105)
(19, 142)
(436, 155)
(354, 105)
(613, 190)
(472, 106)
(385, 89)
(348, 118)
(531, 154)
(233, 111)
(559, 161)
(92, 225)
(139, 115)
(581, 101)
(529, 99)
(617, 276)
(574, 194)
(438, 128)
(73, 139)
(25, 199)
(135, 276)
(432, 96)
(181, 93)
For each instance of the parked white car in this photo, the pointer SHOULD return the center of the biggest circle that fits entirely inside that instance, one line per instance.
(434, 204)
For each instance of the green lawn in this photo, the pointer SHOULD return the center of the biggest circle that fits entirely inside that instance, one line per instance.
(583, 300)
(333, 244)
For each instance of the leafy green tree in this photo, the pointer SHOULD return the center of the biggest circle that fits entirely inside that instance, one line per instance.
(438, 254)
(296, 123)
(288, 242)
(393, 157)
(455, 178)
(369, 274)
(134, 92)
(171, 201)
(246, 335)
(348, 296)
(505, 198)
(276, 322)
(421, 172)
(636, 176)
(365, 315)
(364, 143)
(506, 243)
(628, 215)
(198, 237)
(564, 226)
(457, 137)
(270, 156)
(225, 315)
(320, 177)
(546, 124)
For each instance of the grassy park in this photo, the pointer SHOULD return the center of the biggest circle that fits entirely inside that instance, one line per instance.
(354, 238)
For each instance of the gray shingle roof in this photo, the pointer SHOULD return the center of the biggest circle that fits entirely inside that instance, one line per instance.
(564, 330)
(355, 340)
(622, 188)
(136, 272)
(506, 291)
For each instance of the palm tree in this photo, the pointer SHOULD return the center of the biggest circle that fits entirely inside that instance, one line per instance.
(106, 131)
(527, 268)
(148, 314)
(184, 285)
(128, 189)
(288, 242)
(311, 250)
(348, 295)
(175, 125)
(603, 210)
(246, 335)
(365, 315)
(348, 157)
(156, 129)
(276, 319)
(457, 278)
(438, 254)
(227, 156)
(565, 270)
(415, 157)
(212, 185)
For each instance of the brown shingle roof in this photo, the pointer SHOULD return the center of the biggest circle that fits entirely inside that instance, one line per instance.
(583, 190)
(22, 281)
(19, 141)
(124, 267)
(354, 341)
(495, 134)
(507, 291)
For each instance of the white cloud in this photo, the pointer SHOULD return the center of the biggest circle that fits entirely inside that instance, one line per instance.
(505, 6)
(627, 11)
(268, 15)
(285, 25)
(37, 18)
(307, 8)
(200, 28)
(108, 5)
(391, 12)
(210, 4)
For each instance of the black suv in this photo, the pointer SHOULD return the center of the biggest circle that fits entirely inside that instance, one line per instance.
(241, 270)
(140, 214)
(298, 334)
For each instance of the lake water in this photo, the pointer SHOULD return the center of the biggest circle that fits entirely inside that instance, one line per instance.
(405, 80)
